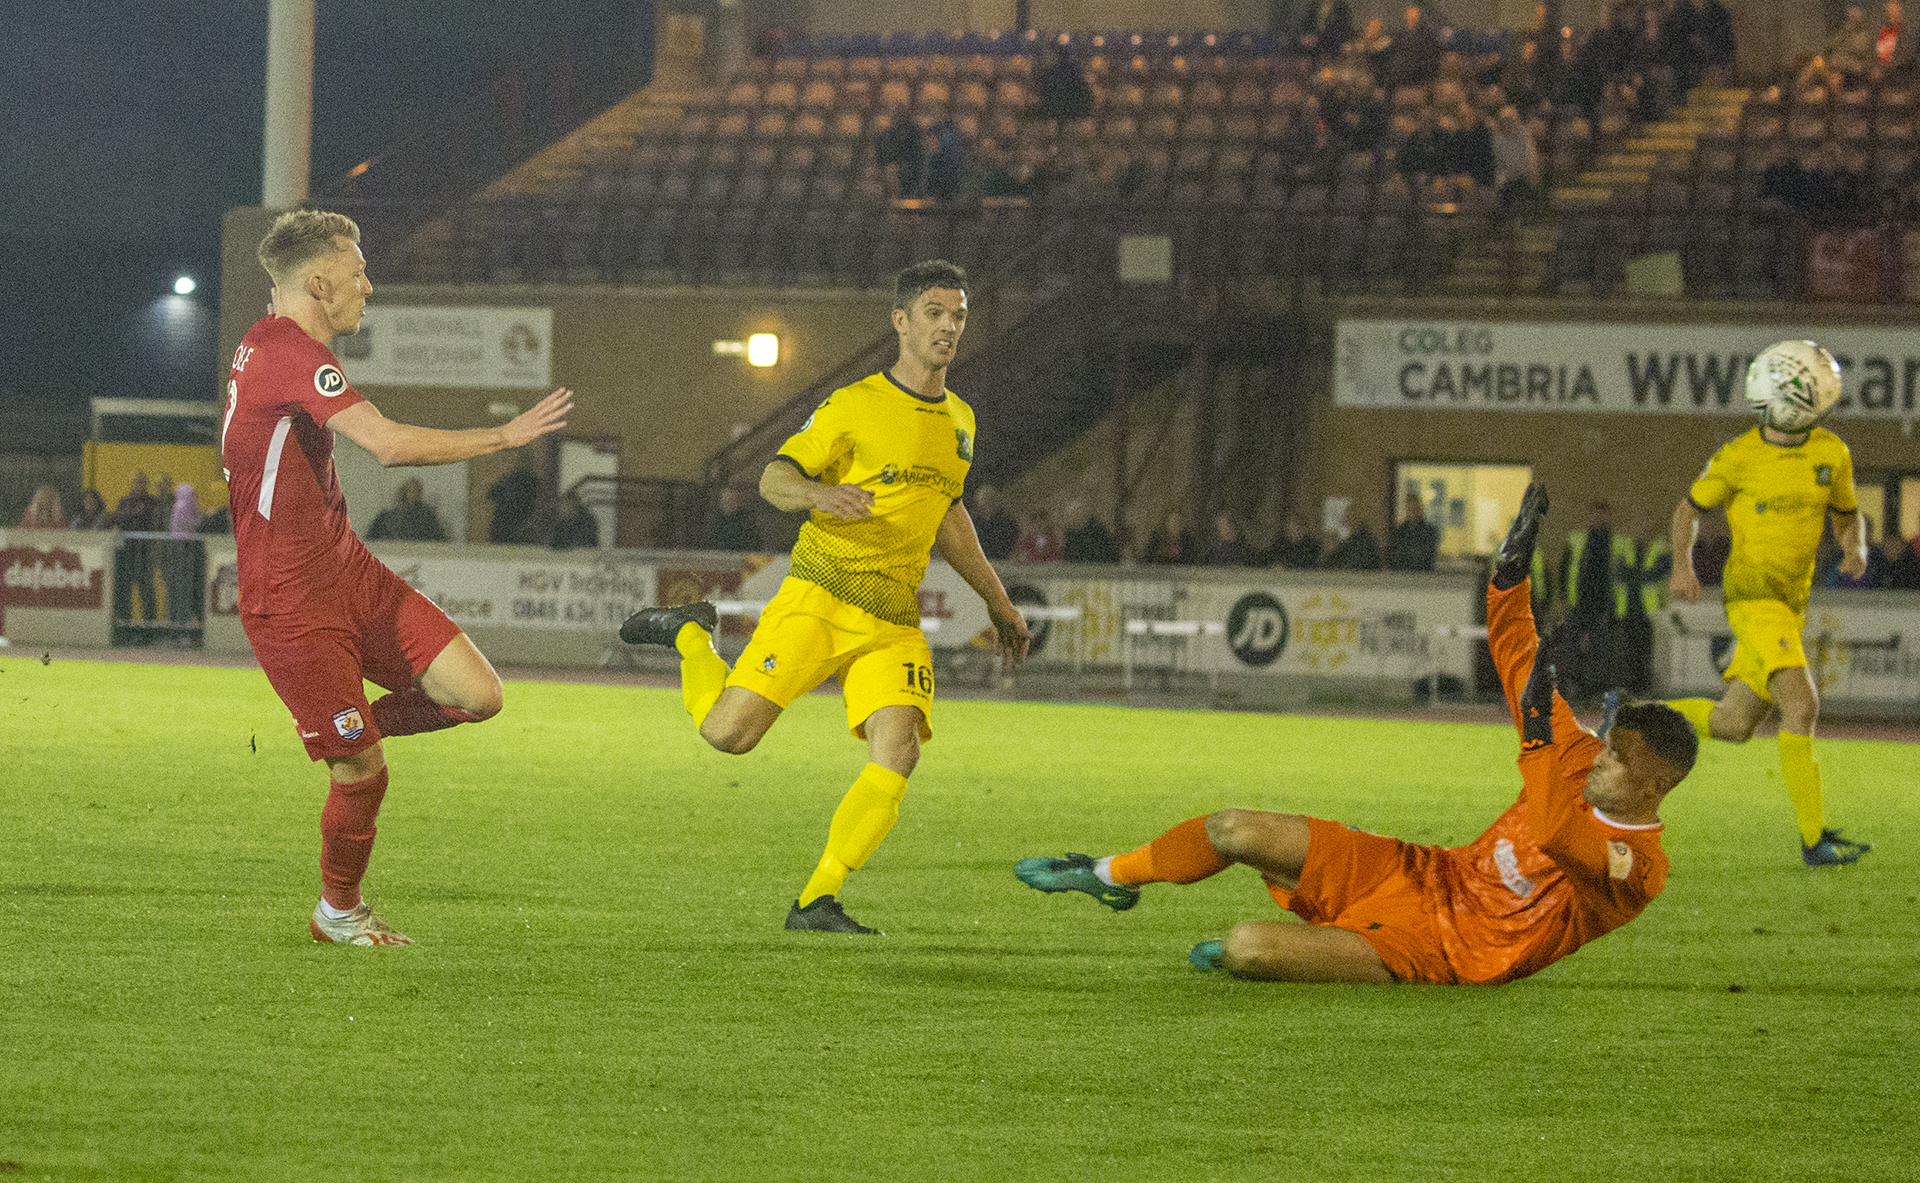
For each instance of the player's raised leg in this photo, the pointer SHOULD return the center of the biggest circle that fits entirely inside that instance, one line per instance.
(863, 819)
(458, 686)
(357, 785)
(733, 719)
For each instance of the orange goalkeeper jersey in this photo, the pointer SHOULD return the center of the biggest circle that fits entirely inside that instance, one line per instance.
(1552, 873)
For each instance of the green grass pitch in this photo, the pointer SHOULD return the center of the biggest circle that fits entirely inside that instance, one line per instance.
(602, 988)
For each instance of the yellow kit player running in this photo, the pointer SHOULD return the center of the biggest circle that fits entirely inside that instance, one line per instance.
(880, 465)
(1777, 482)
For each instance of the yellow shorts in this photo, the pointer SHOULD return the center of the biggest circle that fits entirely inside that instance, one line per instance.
(1766, 636)
(807, 635)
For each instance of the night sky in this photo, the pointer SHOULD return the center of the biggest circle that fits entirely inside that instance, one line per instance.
(127, 129)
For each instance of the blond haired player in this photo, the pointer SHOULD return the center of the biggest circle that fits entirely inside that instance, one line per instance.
(1777, 483)
(880, 466)
(323, 615)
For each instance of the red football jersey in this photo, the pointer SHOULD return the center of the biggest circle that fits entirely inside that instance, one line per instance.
(289, 518)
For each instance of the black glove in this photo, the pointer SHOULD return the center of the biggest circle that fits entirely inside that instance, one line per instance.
(1515, 560)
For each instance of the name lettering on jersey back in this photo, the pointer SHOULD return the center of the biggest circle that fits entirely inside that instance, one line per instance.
(241, 356)
(1508, 864)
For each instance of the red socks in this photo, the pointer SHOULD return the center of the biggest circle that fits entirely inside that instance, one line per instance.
(1181, 855)
(411, 712)
(346, 837)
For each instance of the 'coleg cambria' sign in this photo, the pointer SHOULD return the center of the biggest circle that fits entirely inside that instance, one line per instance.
(1606, 368)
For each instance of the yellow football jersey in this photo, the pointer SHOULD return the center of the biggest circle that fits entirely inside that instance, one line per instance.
(1777, 500)
(912, 454)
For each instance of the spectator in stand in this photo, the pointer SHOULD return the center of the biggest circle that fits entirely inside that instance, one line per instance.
(1357, 113)
(1040, 541)
(1228, 546)
(1893, 48)
(902, 156)
(409, 517)
(1327, 29)
(736, 527)
(998, 530)
(1421, 153)
(1414, 57)
(1370, 51)
(93, 511)
(217, 521)
(946, 161)
(1713, 30)
(1087, 538)
(575, 527)
(1296, 547)
(184, 520)
(1850, 50)
(1831, 188)
(1680, 47)
(44, 512)
(1470, 152)
(1516, 160)
(1356, 550)
(1171, 544)
(1522, 79)
(1414, 543)
(133, 565)
(1060, 90)
(183, 563)
(1903, 571)
(514, 496)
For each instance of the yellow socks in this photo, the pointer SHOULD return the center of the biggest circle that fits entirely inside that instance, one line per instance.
(865, 815)
(1696, 710)
(703, 675)
(1802, 775)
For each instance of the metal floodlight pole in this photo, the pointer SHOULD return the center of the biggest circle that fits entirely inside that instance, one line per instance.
(289, 121)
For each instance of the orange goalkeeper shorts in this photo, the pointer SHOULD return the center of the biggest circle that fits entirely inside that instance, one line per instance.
(1372, 885)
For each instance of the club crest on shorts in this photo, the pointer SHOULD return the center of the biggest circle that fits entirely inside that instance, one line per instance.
(349, 724)
(767, 665)
(329, 381)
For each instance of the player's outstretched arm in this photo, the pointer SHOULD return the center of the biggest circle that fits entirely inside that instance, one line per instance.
(960, 545)
(1683, 583)
(394, 444)
(787, 489)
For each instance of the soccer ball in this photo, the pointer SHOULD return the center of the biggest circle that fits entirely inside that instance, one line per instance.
(1792, 384)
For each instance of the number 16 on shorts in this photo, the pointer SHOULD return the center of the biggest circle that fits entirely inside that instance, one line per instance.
(919, 677)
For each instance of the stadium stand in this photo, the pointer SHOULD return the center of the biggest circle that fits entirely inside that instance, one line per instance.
(1272, 164)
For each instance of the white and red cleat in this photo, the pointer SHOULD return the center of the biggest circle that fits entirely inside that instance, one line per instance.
(358, 927)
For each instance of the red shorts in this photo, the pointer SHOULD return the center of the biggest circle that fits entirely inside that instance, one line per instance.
(1374, 886)
(380, 631)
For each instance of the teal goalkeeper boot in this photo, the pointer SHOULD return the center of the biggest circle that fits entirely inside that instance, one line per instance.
(1073, 873)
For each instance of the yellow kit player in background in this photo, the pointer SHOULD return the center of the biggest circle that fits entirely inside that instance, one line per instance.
(880, 466)
(1777, 482)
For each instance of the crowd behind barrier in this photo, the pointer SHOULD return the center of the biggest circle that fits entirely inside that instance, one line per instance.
(1252, 636)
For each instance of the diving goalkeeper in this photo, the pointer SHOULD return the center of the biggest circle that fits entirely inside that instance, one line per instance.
(1577, 856)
